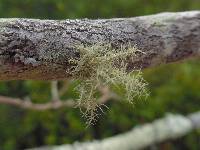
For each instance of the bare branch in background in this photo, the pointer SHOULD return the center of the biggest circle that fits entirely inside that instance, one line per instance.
(32, 106)
(170, 127)
(106, 95)
(54, 91)
(55, 103)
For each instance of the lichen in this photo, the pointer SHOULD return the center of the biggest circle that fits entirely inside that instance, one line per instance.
(102, 65)
(26, 61)
(158, 24)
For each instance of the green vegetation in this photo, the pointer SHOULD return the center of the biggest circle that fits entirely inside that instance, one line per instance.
(173, 88)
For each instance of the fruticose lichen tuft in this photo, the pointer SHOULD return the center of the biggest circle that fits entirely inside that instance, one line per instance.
(102, 65)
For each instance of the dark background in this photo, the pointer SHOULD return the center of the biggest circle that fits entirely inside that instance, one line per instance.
(174, 88)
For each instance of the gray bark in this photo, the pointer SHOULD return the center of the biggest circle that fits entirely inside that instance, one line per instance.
(170, 127)
(40, 49)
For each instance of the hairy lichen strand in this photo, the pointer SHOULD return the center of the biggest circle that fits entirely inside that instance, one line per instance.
(102, 65)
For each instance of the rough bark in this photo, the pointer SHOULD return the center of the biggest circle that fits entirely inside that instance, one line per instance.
(40, 49)
(169, 127)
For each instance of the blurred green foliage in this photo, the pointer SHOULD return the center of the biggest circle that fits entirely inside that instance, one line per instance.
(174, 88)
(62, 9)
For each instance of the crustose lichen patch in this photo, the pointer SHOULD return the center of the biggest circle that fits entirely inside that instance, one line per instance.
(102, 65)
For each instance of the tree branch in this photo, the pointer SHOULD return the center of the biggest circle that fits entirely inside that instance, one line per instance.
(170, 127)
(27, 104)
(41, 49)
(54, 91)
(55, 103)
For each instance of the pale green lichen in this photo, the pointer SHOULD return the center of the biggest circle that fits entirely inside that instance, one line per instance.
(101, 65)
(158, 24)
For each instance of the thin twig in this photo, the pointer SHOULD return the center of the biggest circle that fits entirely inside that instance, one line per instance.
(54, 91)
(39, 107)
